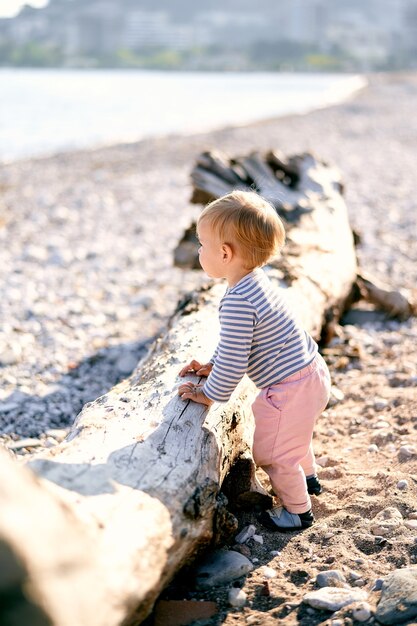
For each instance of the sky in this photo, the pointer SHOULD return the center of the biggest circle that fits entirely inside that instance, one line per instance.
(9, 8)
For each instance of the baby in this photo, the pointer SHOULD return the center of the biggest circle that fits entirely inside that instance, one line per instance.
(259, 336)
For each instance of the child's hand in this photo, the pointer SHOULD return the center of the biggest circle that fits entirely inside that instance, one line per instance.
(197, 368)
(190, 391)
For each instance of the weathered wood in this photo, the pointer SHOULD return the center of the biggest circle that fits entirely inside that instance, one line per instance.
(133, 492)
(307, 194)
(394, 303)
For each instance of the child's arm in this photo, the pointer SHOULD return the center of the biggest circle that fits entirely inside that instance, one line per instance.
(197, 368)
(237, 320)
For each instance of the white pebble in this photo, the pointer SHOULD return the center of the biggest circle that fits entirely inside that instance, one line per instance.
(337, 393)
(245, 534)
(381, 424)
(275, 552)
(322, 461)
(333, 598)
(411, 524)
(237, 597)
(268, 572)
(373, 448)
(258, 539)
(362, 612)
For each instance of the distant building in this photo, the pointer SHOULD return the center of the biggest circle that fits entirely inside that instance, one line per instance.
(410, 29)
(30, 25)
(228, 28)
(304, 22)
(144, 29)
(370, 32)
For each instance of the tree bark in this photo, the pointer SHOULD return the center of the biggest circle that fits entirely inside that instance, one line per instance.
(96, 527)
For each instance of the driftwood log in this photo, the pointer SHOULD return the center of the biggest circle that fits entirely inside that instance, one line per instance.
(293, 186)
(92, 530)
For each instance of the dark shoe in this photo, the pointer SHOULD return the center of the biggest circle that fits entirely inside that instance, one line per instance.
(281, 519)
(314, 487)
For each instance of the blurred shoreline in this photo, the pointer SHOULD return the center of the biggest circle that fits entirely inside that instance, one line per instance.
(45, 112)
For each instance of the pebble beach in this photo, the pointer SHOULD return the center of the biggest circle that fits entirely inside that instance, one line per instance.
(87, 281)
(86, 241)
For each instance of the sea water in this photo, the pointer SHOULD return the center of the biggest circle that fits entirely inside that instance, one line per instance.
(43, 112)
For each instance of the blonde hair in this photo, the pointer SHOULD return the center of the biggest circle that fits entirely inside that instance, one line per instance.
(245, 220)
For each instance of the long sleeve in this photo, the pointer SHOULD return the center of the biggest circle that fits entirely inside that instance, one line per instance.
(237, 320)
(214, 357)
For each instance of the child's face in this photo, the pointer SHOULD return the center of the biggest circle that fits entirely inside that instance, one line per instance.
(210, 252)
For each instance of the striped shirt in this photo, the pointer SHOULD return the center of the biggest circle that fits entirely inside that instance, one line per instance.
(258, 336)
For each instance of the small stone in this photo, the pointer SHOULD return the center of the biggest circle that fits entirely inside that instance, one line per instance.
(333, 598)
(243, 549)
(380, 539)
(29, 442)
(275, 552)
(331, 432)
(380, 404)
(336, 622)
(330, 578)
(237, 597)
(402, 484)
(336, 395)
(57, 433)
(11, 355)
(411, 524)
(49, 442)
(406, 453)
(373, 448)
(245, 534)
(221, 567)
(258, 539)
(359, 583)
(378, 584)
(386, 522)
(322, 461)
(269, 572)
(362, 612)
(381, 424)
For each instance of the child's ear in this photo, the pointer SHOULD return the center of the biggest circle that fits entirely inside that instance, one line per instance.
(227, 252)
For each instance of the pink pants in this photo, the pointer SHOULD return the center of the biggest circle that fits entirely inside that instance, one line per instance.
(285, 415)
